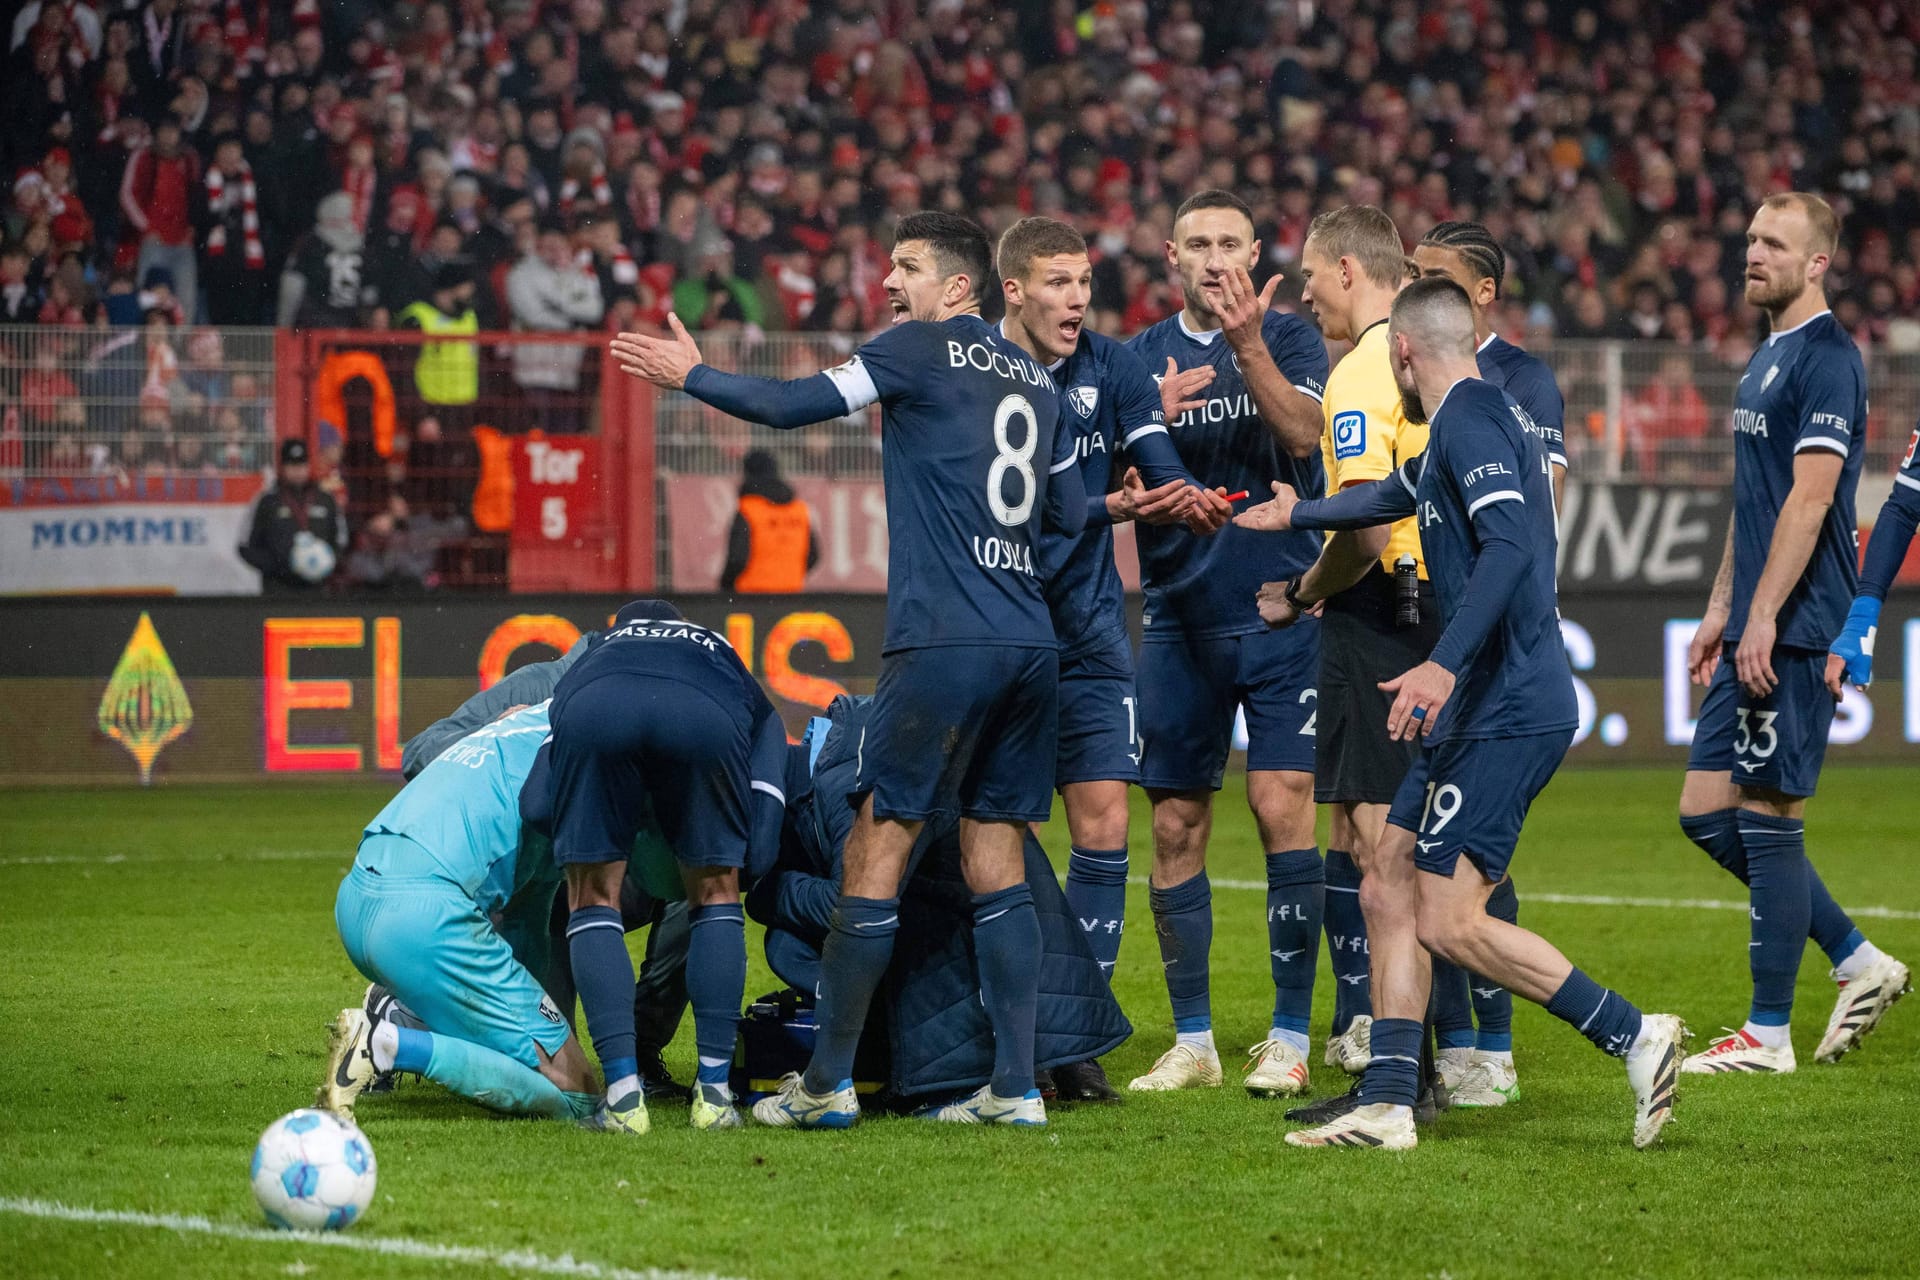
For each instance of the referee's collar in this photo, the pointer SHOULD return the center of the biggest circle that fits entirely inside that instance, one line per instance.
(1360, 337)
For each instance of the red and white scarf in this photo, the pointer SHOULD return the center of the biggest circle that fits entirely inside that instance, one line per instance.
(602, 192)
(219, 204)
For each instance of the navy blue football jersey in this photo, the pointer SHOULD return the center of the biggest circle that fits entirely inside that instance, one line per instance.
(968, 441)
(1894, 527)
(1205, 586)
(1108, 402)
(1485, 475)
(1803, 389)
(1526, 378)
(677, 650)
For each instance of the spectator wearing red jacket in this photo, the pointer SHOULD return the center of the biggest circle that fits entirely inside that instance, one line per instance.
(158, 195)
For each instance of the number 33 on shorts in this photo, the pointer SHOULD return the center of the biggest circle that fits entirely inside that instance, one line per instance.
(1754, 734)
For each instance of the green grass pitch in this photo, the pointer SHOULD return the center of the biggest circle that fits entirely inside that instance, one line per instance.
(170, 960)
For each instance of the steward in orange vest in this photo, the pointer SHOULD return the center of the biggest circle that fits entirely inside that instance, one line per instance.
(771, 545)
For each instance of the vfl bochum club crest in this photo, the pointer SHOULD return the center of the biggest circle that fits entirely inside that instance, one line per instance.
(1083, 400)
(145, 706)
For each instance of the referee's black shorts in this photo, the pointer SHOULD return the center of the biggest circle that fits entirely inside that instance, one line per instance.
(1354, 761)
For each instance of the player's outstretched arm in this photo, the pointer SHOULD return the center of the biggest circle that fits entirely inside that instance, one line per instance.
(1816, 477)
(674, 363)
(1358, 506)
(1851, 655)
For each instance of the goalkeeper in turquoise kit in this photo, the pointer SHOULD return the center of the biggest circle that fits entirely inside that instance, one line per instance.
(417, 914)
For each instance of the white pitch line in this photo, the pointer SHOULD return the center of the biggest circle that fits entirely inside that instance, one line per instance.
(1606, 900)
(393, 1246)
(343, 854)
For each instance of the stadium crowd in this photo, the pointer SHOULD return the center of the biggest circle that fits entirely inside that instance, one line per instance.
(742, 163)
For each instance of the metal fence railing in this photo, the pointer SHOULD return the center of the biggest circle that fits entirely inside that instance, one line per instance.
(118, 406)
(123, 405)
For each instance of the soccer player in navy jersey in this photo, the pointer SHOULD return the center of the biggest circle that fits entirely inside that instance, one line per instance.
(965, 713)
(1850, 657)
(1205, 651)
(1108, 404)
(659, 721)
(1780, 599)
(1493, 709)
(1472, 1016)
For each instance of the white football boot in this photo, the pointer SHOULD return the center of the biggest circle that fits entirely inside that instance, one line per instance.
(794, 1108)
(350, 1066)
(1275, 1069)
(1181, 1067)
(1864, 999)
(984, 1106)
(1489, 1082)
(1737, 1051)
(1653, 1069)
(1376, 1124)
(1452, 1065)
(1352, 1049)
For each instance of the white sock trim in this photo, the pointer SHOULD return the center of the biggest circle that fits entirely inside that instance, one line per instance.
(617, 1090)
(384, 1044)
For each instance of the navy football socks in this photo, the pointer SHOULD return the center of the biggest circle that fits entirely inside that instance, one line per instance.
(1493, 1003)
(1296, 902)
(1006, 944)
(1605, 1017)
(1393, 1077)
(716, 982)
(1718, 833)
(852, 963)
(1346, 940)
(1780, 914)
(1183, 922)
(603, 973)
(1097, 897)
(1451, 1007)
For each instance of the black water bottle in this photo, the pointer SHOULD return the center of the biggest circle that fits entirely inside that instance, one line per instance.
(1406, 592)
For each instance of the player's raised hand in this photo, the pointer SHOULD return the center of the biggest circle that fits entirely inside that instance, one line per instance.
(1241, 307)
(1703, 651)
(1179, 387)
(1419, 695)
(1753, 660)
(1164, 504)
(1274, 516)
(665, 362)
(1279, 612)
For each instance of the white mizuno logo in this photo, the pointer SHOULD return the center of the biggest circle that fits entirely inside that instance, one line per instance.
(1355, 980)
(1487, 993)
(1285, 956)
(1767, 381)
(1749, 765)
(1425, 845)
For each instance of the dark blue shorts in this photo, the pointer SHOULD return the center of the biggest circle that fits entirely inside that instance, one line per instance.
(1472, 797)
(962, 729)
(630, 748)
(1099, 717)
(1777, 742)
(1190, 688)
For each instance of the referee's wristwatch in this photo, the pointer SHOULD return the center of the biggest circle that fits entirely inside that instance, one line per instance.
(1293, 597)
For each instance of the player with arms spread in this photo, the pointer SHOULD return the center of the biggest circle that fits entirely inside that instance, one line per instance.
(1494, 710)
(1473, 1017)
(1780, 599)
(1108, 402)
(1205, 651)
(965, 713)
